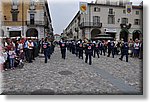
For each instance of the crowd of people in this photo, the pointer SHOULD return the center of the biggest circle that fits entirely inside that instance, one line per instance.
(97, 47)
(15, 52)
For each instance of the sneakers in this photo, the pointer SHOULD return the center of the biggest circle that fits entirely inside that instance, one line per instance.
(12, 68)
(6, 69)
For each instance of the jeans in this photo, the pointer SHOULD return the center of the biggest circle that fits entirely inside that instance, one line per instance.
(88, 56)
(96, 51)
(26, 54)
(46, 54)
(12, 62)
(124, 54)
(49, 52)
(30, 55)
(81, 53)
(63, 52)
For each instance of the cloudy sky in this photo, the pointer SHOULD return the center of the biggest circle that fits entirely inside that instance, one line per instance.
(63, 11)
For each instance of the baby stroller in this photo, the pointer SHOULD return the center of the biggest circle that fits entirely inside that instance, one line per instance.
(18, 63)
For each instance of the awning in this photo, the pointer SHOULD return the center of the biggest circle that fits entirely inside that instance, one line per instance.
(110, 30)
(70, 39)
(124, 30)
(137, 31)
(103, 37)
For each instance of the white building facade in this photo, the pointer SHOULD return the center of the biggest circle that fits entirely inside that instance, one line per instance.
(112, 2)
(106, 21)
(57, 37)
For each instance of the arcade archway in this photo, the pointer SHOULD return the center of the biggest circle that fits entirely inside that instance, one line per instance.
(32, 32)
(136, 35)
(94, 33)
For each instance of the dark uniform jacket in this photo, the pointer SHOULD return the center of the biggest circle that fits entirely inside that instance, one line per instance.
(80, 45)
(63, 45)
(89, 48)
(45, 45)
(96, 46)
(125, 48)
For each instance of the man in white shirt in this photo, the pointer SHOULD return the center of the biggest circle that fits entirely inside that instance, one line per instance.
(30, 50)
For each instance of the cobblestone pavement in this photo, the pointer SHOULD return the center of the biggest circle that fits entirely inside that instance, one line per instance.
(72, 76)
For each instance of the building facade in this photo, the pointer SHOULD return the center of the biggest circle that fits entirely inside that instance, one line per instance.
(0, 19)
(57, 37)
(73, 30)
(29, 18)
(107, 21)
(112, 2)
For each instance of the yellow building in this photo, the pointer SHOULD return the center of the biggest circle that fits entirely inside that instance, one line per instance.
(26, 18)
(0, 19)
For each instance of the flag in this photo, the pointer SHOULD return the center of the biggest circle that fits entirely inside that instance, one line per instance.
(129, 8)
(83, 7)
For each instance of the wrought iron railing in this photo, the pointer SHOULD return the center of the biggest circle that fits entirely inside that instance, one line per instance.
(35, 23)
(90, 24)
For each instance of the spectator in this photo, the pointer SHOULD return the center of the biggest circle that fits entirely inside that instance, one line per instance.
(12, 55)
(136, 48)
(2, 60)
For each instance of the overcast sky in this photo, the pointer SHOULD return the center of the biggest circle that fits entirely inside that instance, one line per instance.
(63, 11)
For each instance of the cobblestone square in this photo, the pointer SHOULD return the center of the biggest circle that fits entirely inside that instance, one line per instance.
(73, 76)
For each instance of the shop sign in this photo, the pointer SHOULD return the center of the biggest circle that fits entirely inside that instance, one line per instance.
(14, 28)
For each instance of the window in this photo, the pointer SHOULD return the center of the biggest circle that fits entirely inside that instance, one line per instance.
(124, 11)
(15, 2)
(124, 20)
(111, 20)
(32, 19)
(120, 3)
(108, 2)
(137, 12)
(137, 21)
(111, 11)
(14, 10)
(14, 16)
(96, 9)
(32, 5)
(96, 20)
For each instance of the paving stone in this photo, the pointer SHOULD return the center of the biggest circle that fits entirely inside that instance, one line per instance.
(72, 76)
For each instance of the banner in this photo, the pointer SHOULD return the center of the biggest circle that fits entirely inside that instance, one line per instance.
(83, 7)
(129, 8)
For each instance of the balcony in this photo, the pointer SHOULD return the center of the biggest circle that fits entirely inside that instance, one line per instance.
(90, 25)
(13, 23)
(111, 13)
(36, 23)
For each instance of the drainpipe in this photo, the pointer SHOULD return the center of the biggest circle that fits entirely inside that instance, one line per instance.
(89, 21)
(22, 19)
